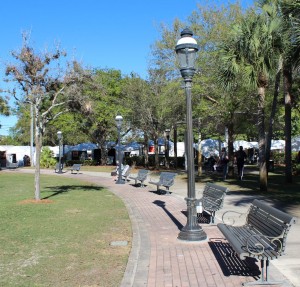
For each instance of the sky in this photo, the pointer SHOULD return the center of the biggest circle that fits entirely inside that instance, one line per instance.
(114, 34)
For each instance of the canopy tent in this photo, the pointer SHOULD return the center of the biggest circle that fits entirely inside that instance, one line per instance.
(296, 144)
(277, 145)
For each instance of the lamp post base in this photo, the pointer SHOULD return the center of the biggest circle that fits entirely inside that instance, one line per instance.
(120, 181)
(195, 234)
(192, 231)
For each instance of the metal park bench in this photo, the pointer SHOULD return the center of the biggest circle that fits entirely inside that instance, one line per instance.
(141, 176)
(166, 179)
(263, 236)
(212, 199)
(75, 167)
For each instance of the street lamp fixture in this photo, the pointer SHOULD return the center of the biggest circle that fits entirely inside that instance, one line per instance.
(186, 50)
(60, 139)
(119, 121)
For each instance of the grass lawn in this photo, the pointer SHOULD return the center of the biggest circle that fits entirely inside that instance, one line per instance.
(65, 240)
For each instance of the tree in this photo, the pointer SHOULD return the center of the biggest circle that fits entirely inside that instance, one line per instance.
(46, 88)
(250, 51)
(103, 101)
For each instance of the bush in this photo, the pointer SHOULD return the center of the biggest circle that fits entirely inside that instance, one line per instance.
(47, 159)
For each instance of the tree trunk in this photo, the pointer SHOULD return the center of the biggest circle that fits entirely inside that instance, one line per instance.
(287, 83)
(156, 153)
(273, 113)
(263, 174)
(38, 147)
(230, 150)
(199, 149)
(175, 146)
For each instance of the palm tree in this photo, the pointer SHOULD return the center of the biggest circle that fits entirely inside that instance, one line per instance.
(249, 53)
(289, 13)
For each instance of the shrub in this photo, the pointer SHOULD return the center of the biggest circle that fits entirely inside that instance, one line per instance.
(47, 159)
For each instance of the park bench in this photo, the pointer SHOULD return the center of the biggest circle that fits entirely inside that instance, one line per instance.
(12, 165)
(141, 176)
(75, 167)
(212, 200)
(166, 179)
(262, 236)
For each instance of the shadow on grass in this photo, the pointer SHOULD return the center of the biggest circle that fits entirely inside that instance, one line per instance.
(57, 190)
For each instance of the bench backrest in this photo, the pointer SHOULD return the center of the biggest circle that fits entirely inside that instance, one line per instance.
(142, 174)
(76, 166)
(167, 178)
(213, 196)
(269, 221)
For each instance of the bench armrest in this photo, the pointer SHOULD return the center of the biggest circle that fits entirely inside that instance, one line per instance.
(255, 247)
(232, 217)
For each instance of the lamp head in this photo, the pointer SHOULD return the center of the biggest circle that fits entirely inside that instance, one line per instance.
(186, 50)
(119, 120)
(59, 135)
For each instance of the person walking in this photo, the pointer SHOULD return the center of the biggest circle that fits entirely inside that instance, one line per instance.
(240, 162)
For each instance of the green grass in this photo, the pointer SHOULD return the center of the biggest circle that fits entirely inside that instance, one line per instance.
(64, 241)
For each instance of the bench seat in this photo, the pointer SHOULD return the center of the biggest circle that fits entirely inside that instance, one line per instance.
(75, 167)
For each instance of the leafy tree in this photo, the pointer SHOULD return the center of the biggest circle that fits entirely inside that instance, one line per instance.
(46, 87)
(103, 101)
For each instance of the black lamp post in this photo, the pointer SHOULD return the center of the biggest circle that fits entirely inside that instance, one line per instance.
(186, 50)
(167, 133)
(119, 121)
(60, 139)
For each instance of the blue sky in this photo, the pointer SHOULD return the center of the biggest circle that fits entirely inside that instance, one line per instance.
(101, 34)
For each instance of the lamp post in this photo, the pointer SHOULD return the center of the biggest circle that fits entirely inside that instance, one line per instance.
(167, 133)
(119, 121)
(60, 138)
(186, 50)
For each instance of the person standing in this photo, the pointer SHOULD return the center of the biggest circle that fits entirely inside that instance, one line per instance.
(240, 162)
(224, 162)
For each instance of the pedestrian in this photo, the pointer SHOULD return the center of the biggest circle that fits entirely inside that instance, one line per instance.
(224, 162)
(240, 162)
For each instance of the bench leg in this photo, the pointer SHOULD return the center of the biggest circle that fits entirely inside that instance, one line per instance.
(264, 276)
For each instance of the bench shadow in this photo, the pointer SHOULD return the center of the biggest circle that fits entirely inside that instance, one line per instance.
(56, 190)
(162, 204)
(203, 218)
(232, 264)
(161, 192)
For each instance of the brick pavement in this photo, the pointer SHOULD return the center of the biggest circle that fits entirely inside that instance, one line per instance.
(158, 258)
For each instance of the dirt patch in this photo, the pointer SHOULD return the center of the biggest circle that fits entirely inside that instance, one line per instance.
(33, 201)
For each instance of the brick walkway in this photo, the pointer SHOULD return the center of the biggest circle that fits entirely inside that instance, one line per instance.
(158, 258)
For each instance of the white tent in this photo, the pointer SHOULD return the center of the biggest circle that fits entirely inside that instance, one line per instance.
(296, 144)
(19, 152)
(277, 145)
(243, 143)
